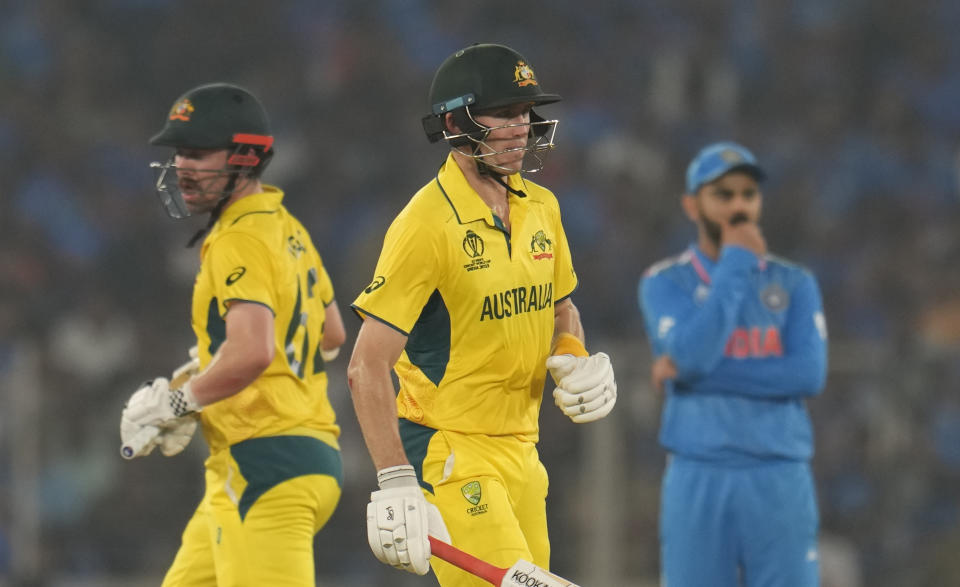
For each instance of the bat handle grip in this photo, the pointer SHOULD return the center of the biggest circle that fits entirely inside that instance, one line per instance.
(467, 562)
(140, 440)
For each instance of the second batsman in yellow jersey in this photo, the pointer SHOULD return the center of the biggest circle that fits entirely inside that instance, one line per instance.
(266, 321)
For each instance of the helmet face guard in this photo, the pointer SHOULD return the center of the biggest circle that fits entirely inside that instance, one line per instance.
(539, 141)
(242, 164)
(168, 189)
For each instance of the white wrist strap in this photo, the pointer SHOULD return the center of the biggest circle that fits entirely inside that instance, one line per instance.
(396, 476)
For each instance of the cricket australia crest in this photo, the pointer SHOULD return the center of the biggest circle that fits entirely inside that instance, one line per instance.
(471, 491)
(541, 246)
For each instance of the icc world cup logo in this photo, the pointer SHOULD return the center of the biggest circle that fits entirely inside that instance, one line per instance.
(472, 245)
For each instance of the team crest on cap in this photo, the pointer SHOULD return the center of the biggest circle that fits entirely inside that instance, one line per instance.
(523, 75)
(731, 156)
(181, 110)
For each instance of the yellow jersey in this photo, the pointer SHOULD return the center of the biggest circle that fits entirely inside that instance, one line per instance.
(476, 303)
(257, 252)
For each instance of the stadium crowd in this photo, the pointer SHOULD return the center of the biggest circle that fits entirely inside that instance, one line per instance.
(851, 107)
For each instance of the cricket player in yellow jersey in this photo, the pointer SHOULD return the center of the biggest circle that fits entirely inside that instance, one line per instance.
(470, 305)
(266, 321)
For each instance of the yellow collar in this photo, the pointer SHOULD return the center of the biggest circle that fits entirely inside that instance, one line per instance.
(268, 200)
(465, 201)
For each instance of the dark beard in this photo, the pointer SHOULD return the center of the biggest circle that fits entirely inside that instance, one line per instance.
(713, 230)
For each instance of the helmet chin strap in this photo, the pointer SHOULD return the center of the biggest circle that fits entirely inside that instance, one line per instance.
(484, 169)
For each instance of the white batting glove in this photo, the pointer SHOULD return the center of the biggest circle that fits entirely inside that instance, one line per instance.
(586, 390)
(155, 404)
(176, 436)
(172, 438)
(137, 441)
(399, 520)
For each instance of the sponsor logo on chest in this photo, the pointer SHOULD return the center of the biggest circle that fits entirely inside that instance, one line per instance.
(754, 343)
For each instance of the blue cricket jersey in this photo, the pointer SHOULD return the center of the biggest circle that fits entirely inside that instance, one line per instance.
(749, 340)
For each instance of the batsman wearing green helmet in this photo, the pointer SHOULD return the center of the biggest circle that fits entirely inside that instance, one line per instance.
(470, 306)
(266, 322)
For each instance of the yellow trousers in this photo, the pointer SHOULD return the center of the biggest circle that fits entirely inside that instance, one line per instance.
(265, 500)
(491, 492)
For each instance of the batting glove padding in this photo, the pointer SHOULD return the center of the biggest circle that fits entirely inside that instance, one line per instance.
(586, 389)
(176, 436)
(156, 415)
(155, 404)
(399, 519)
(137, 441)
(172, 438)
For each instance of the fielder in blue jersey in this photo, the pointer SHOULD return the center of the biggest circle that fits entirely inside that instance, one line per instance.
(739, 342)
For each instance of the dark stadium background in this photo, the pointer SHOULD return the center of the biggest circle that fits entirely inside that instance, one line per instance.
(853, 107)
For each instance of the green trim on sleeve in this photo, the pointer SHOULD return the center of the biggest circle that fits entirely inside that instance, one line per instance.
(361, 313)
(244, 301)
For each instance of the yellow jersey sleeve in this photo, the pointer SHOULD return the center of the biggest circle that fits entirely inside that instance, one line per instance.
(407, 274)
(241, 270)
(564, 276)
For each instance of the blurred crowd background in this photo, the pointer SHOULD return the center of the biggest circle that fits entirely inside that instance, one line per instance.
(853, 107)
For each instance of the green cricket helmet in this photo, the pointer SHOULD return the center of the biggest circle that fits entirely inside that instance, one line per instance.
(214, 116)
(479, 78)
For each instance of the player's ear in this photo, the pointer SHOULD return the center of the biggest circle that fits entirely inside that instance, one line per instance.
(689, 204)
(450, 125)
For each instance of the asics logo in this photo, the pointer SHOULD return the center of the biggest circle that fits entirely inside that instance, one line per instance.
(236, 274)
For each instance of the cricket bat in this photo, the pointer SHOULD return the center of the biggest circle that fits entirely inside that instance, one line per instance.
(180, 376)
(521, 574)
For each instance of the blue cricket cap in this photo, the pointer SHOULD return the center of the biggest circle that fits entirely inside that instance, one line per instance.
(718, 159)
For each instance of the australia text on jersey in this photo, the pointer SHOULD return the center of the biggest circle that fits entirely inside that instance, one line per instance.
(517, 300)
